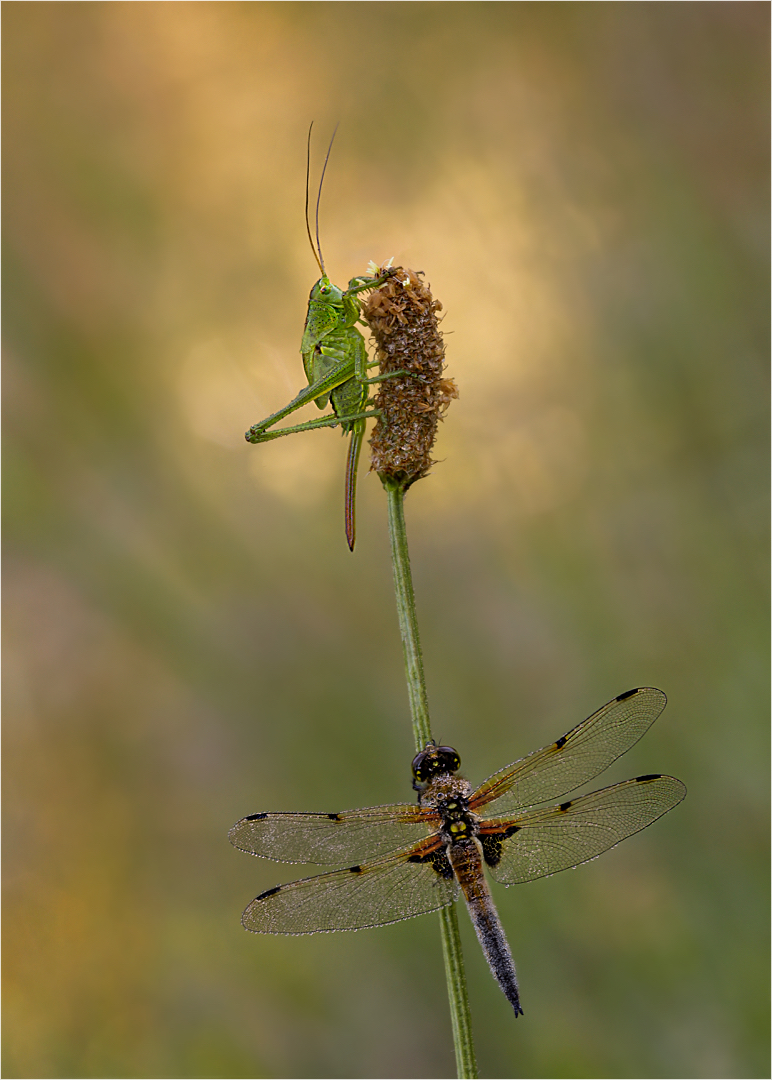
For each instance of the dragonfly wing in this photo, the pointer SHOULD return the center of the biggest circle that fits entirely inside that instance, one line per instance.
(328, 839)
(543, 842)
(399, 886)
(574, 758)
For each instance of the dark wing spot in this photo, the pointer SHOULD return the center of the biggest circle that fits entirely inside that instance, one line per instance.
(627, 694)
(561, 742)
(268, 892)
(491, 845)
(438, 859)
(334, 817)
(649, 776)
(355, 869)
(255, 817)
(565, 805)
(441, 863)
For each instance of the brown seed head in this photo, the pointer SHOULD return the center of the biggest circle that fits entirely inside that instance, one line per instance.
(402, 315)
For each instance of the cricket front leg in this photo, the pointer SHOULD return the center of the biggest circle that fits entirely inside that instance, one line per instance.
(364, 282)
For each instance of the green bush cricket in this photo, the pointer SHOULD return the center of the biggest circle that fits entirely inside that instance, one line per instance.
(335, 362)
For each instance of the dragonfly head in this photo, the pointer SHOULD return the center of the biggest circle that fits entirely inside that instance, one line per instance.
(325, 292)
(434, 760)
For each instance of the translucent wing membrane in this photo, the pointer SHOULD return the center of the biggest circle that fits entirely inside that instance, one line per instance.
(543, 842)
(327, 839)
(573, 759)
(384, 891)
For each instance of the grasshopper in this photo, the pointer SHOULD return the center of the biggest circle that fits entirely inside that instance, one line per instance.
(335, 362)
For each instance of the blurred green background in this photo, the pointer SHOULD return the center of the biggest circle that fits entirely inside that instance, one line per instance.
(188, 639)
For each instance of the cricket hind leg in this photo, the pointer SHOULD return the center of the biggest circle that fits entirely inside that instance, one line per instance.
(325, 421)
(318, 390)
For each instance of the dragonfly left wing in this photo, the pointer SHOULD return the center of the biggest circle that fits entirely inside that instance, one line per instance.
(410, 882)
(329, 839)
(543, 842)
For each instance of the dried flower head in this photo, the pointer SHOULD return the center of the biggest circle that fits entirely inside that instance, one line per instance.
(402, 315)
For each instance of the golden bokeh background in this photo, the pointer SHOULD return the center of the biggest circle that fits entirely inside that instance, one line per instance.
(188, 639)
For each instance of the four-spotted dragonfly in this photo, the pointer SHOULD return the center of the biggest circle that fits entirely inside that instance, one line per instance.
(412, 859)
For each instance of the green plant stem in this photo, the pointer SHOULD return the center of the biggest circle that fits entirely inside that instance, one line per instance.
(466, 1065)
(460, 1014)
(408, 623)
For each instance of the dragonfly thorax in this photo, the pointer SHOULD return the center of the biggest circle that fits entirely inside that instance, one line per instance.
(458, 823)
(449, 796)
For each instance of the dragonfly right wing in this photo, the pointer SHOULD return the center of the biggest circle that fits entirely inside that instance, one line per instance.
(411, 882)
(329, 839)
(575, 757)
(546, 841)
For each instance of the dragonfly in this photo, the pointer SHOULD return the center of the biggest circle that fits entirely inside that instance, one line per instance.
(408, 859)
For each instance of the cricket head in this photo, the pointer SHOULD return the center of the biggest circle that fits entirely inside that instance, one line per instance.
(324, 292)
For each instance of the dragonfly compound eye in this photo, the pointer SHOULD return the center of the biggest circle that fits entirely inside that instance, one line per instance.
(433, 760)
(448, 758)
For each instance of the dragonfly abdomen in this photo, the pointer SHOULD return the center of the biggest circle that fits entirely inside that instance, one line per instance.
(466, 859)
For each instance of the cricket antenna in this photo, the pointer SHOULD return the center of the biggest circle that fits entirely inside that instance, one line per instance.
(319, 262)
(319, 196)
